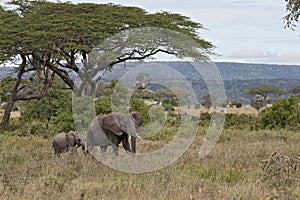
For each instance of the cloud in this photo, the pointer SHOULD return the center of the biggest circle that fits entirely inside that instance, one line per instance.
(259, 56)
(250, 54)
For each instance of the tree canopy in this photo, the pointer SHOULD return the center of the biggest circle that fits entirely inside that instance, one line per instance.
(62, 34)
(60, 38)
(264, 90)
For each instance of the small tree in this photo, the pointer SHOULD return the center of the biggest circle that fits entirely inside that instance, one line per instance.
(261, 92)
(142, 80)
(206, 100)
(258, 102)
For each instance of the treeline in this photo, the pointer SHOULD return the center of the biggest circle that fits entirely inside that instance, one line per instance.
(54, 113)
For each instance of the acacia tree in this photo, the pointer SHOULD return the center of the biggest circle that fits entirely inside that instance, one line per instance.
(62, 38)
(15, 46)
(264, 90)
(292, 13)
(261, 92)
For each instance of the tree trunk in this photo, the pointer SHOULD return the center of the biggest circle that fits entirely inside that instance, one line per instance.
(6, 116)
(5, 120)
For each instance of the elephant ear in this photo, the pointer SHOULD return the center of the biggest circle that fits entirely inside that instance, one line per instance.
(138, 119)
(110, 122)
(70, 137)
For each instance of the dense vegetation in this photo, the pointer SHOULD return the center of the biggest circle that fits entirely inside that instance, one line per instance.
(54, 113)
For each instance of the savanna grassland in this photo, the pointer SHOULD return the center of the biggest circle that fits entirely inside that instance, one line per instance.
(233, 170)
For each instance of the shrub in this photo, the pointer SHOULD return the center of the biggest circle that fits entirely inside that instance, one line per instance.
(282, 114)
(137, 105)
(236, 103)
(103, 105)
(168, 107)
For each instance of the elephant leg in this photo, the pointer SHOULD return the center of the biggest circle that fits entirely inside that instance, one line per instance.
(89, 147)
(125, 144)
(115, 150)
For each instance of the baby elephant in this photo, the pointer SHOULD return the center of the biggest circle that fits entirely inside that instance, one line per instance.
(67, 141)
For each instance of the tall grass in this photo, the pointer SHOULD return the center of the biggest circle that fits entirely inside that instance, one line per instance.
(233, 170)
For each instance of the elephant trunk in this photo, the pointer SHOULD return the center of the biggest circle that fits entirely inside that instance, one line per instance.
(83, 146)
(133, 144)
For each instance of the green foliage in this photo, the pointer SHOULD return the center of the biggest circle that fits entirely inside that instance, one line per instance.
(63, 121)
(173, 96)
(292, 13)
(168, 106)
(55, 108)
(282, 114)
(167, 96)
(145, 95)
(57, 98)
(241, 121)
(103, 105)
(236, 103)
(137, 105)
(10, 25)
(104, 89)
(37, 33)
(264, 89)
(38, 27)
(6, 86)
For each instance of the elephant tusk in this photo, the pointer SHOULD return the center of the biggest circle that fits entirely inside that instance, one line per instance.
(137, 135)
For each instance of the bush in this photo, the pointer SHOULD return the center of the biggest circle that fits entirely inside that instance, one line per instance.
(235, 103)
(241, 121)
(282, 114)
(168, 107)
(137, 105)
(103, 105)
(54, 110)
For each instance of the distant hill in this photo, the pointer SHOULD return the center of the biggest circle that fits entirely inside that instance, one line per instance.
(6, 71)
(228, 70)
(237, 77)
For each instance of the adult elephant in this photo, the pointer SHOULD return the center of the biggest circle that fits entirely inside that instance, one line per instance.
(113, 129)
(63, 142)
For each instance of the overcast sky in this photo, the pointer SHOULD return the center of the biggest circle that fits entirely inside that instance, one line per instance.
(242, 30)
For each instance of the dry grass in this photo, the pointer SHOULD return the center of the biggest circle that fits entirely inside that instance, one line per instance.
(233, 170)
(245, 109)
